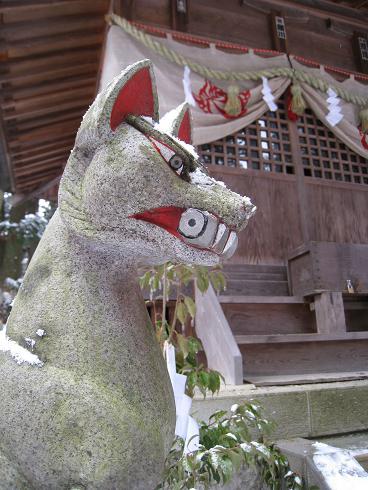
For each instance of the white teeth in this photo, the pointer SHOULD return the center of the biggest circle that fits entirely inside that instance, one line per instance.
(231, 245)
(221, 238)
(202, 229)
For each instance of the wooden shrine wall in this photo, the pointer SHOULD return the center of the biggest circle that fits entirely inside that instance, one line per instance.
(338, 213)
(276, 228)
(322, 31)
(306, 184)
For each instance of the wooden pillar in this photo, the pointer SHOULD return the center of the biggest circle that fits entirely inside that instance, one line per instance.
(304, 212)
(330, 315)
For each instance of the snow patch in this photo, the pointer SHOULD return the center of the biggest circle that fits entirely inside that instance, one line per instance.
(167, 121)
(200, 178)
(18, 353)
(40, 332)
(340, 470)
(165, 126)
(148, 119)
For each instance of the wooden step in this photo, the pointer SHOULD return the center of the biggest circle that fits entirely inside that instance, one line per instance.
(299, 337)
(268, 315)
(257, 268)
(265, 280)
(260, 287)
(305, 354)
(244, 299)
(304, 378)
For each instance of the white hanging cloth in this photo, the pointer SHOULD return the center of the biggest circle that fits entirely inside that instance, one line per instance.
(186, 427)
(334, 115)
(268, 96)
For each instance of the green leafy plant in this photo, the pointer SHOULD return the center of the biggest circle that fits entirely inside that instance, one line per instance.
(27, 231)
(228, 442)
(31, 227)
(173, 281)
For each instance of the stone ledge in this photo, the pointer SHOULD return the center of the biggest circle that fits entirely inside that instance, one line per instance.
(309, 410)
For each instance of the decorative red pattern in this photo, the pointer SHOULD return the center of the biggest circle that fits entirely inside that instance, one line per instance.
(167, 218)
(210, 96)
(292, 116)
(364, 138)
(135, 97)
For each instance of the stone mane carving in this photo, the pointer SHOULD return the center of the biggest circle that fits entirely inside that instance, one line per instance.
(85, 397)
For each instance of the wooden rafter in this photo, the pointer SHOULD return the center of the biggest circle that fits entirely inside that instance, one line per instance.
(49, 65)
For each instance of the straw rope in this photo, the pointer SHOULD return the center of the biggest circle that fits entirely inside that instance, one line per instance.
(209, 73)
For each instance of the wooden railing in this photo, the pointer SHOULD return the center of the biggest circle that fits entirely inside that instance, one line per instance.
(213, 329)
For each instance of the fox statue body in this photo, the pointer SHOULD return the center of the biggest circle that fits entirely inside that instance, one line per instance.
(85, 397)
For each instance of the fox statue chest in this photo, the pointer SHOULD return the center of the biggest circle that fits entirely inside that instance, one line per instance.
(87, 403)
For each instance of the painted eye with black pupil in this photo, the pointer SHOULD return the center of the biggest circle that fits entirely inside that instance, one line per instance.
(174, 160)
(176, 163)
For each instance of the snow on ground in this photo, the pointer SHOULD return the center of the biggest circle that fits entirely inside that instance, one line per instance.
(18, 353)
(340, 470)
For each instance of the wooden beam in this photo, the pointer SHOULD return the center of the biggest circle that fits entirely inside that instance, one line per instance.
(24, 13)
(319, 8)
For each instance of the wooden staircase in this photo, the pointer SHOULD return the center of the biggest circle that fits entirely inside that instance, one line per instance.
(256, 331)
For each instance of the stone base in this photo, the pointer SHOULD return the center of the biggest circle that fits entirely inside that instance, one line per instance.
(298, 410)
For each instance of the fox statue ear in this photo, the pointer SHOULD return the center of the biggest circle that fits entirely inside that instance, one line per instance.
(178, 122)
(133, 92)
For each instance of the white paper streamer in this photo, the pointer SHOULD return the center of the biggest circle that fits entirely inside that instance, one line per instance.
(192, 440)
(188, 87)
(334, 115)
(267, 95)
(186, 427)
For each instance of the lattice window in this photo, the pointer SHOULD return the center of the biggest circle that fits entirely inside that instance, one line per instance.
(325, 157)
(264, 145)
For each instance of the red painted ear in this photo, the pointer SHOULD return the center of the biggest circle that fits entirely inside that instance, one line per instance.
(178, 122)
(185, 128)
(137, 96)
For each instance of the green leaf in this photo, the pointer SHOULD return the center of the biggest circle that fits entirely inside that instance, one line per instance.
(182, 344)
(237, 458)
(182, 312)
(189, 303)
(202, 279)
(194, 345)
(214, 382)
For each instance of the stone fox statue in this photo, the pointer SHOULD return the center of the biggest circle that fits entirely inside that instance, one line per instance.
(85, 397)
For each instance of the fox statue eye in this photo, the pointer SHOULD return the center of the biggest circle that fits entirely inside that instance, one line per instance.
(174, 160)
(176, 163)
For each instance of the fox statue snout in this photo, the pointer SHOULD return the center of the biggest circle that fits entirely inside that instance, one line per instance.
(89, 404)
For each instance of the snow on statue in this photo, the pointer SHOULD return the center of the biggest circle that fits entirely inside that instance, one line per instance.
(88, 404)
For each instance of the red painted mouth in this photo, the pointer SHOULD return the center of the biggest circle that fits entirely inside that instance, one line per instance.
(196, 228)
(167, 218)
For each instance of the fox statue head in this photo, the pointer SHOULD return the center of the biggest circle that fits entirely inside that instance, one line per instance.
(136, 185)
